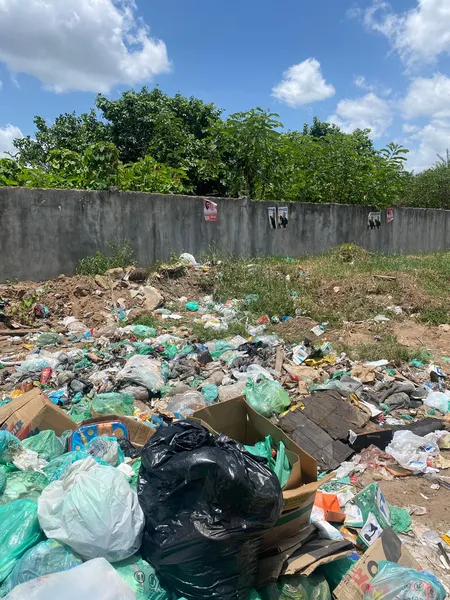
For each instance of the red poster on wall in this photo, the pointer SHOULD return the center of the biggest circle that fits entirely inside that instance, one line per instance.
(209, 210)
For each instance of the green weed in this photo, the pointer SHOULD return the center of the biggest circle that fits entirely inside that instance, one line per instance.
(147, 319)
(388, 348)
(119, 254)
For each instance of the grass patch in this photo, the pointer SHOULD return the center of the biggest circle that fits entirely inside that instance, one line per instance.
(119, 254)
(148, 320)
(388, 348)
(434, 316)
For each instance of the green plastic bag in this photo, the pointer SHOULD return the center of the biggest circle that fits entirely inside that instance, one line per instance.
(45, 443)
(49, 339)
(170, 352)
(280, 466)
(297, 587)
(20, 531)
(267, 397)
(394, 581)
(113, 403)
(210, 393)
(81, 411)
(134, 478)
(56, 468)
(23, 484)
(141, 578)
(9, 445)
(144, 331)
(401, 519)
(192, 306)
(2, 482)
(43, 559)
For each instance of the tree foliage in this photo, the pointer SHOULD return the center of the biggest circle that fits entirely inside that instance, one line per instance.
(148, 141)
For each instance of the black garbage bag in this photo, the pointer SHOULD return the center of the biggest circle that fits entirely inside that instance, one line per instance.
(207, 503)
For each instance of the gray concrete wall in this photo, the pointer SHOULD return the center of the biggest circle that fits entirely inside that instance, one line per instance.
(46, 232)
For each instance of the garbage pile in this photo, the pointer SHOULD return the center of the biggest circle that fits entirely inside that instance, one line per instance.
(142, 462)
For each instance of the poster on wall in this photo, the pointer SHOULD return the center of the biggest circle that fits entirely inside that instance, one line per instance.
(272, 213)
(374, 220)
(389, 215)
(283, 217)
(209, 210)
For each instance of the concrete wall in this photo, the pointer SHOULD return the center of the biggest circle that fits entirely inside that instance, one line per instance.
(46, 232)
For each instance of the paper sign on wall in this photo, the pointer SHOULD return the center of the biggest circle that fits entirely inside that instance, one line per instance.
(272, 213)
(209, 210)
(389, 215)
(374, 220)
(283, 217)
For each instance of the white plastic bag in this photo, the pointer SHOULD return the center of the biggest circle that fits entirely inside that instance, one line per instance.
(93, 580)
(144, 371)
(439, 401)
(93, 509)
(413, 452)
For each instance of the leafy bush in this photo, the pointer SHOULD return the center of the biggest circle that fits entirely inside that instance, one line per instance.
(120, 254)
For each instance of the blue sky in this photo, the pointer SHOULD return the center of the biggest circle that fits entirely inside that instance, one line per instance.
(358, 64)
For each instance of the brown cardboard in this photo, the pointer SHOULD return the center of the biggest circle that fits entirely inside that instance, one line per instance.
(312, 554)
(139, 432)
(387, 547)
(239, 421)
(33, 412)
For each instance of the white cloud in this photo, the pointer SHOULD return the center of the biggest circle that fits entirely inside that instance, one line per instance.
(303, 84)
(87, 45)
(367, 112)
(7, 135)
(1, 84)
(408, 128)
(431, 140)
(418, 35)
(428, 97)
(361, 82)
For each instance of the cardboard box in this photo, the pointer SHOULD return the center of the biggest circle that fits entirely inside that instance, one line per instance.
(239, 421)
(33, 412)
(139, 432)
(387, 547)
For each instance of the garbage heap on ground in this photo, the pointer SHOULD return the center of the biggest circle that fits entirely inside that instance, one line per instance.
(141, 463)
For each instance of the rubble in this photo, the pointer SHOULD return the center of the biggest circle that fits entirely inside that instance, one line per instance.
(91, 403)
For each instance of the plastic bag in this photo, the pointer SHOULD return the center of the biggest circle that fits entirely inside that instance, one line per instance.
(186, 404)
(207, 503)
(142, 579)
(23, 484)
(394, 581)
(267, 397)
(279, 465)
(210, 392)
(9, 446)
(93, 579)
(49, 339)
(439, 401)
(19, 531)
(107, 449)
(113, 403)
(81, 411)
(34, 365)
(93, 510)
(144, 371)
(144, 331)
(43, 559)
(412, 452)
(45, 443)
(56, 468)
(297, 587)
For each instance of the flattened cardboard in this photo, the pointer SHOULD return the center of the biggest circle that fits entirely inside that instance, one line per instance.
(311, 555)
(138, 431)
(387, 547)
(33, 412)
(239, 421)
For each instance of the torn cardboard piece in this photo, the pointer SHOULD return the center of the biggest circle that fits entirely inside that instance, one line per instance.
(387, 547)
(33, 412)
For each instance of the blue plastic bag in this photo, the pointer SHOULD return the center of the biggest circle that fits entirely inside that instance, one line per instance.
(395, 581)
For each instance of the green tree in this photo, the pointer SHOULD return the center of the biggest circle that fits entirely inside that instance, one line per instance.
(68, 131)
